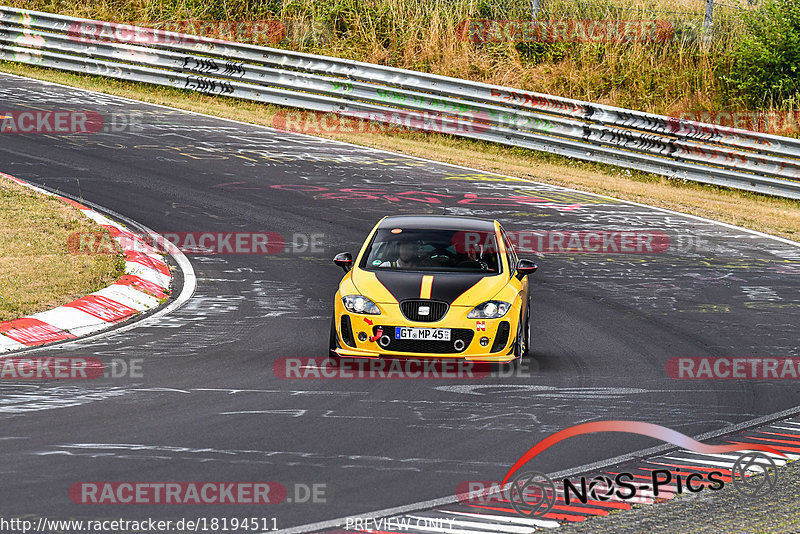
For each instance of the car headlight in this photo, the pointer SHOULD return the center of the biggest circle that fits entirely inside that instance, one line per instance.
(491, 309)
(360, 304)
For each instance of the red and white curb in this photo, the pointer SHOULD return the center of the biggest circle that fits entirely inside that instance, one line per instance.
(145, 284)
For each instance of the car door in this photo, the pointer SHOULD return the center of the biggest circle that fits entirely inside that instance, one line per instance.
(521, 286)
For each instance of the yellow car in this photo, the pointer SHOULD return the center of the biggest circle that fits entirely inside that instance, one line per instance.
(435, 287)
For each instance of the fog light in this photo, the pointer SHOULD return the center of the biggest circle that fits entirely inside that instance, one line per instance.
(484, 341)
(362, 336)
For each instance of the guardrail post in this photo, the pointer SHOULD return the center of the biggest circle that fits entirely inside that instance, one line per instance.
(708, 23)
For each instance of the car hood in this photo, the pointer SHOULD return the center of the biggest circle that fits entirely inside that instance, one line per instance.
(457, 289)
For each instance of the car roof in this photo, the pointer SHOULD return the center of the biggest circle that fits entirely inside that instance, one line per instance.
(437, 222)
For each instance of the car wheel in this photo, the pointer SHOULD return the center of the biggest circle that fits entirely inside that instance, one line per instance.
(333, 342)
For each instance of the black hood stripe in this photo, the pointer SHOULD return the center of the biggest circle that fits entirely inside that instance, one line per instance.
(451, 286)
(401, 285)
(446, 287)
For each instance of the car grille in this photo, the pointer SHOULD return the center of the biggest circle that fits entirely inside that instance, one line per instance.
(417, 346)
(501, 338)
(436, 310)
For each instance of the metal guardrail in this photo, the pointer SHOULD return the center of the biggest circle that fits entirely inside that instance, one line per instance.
(658, 144)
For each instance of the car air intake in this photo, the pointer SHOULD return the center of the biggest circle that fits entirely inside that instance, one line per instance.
(412, 346)
(501, 338)
(423, 311)
(347, 331)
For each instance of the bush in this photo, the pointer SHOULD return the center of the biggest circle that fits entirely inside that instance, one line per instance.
(763, 68)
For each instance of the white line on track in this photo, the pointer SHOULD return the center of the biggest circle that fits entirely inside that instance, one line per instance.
(795, 430)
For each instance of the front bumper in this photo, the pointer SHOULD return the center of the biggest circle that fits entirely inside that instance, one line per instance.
(373, 336)
(492, 358)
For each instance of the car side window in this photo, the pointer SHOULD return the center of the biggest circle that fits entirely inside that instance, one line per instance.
(511, 255)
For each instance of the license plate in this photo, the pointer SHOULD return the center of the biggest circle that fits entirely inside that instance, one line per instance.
(424, 334)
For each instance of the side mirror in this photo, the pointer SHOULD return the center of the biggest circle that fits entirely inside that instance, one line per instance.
(524, 268)
(344, 260)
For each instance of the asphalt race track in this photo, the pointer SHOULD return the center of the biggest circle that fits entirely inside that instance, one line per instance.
(207, 405)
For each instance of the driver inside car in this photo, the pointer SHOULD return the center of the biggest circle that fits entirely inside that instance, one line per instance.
(407, 252)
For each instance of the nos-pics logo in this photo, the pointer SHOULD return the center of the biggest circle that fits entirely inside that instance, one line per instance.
(534, 494)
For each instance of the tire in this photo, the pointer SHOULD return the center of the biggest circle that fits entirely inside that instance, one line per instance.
(334, 344)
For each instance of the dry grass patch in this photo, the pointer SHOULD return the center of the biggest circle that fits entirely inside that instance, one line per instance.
(37, 270)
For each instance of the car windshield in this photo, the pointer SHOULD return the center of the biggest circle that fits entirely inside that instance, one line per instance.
(433, 250)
